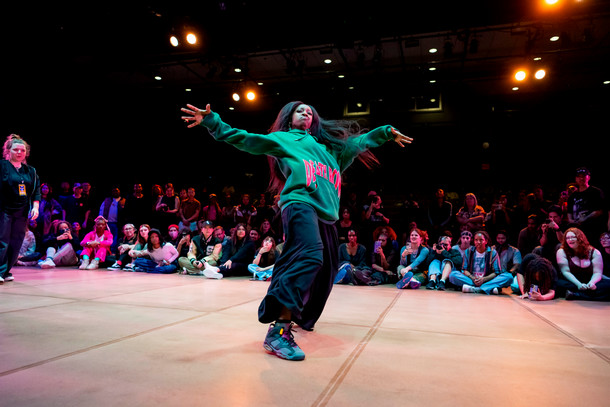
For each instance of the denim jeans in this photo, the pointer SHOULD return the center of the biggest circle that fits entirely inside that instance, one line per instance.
(505, 279)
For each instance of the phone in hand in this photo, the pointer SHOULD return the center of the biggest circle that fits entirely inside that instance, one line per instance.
(376, 246)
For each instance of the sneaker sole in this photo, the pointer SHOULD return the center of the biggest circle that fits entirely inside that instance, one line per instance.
(269, 349)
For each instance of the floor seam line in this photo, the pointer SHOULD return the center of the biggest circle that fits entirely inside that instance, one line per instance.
(325, 396)
(564, 332)
(117, 340)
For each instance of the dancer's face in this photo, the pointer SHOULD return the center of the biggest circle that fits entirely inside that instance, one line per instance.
(302, 117)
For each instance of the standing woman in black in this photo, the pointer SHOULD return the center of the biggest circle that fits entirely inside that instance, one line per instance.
(19, 197)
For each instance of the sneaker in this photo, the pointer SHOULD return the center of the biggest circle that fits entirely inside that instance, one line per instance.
(431, 285)
(470, 289)
(440, 286)
(211, 272)
(342, 273)
(84, 264)
(9, 278)
(1, 280)
(570, 296)
(404, 281)
(115, 266)
(280, 342)
(47, 264)
(129, 267)
(93, 265)
(495, 291)
(414, 284)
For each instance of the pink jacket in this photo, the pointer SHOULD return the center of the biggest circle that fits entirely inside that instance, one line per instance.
(106, 241)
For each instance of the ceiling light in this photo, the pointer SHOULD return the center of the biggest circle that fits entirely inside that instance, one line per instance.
(520, 75)
(328, 61)
(433, 50)
(540, 73)
(158, 78)
(191, 38)
(236, 97)
(173, 40)
(554, 38)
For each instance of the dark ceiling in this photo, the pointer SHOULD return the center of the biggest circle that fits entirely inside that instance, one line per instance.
(89, 68)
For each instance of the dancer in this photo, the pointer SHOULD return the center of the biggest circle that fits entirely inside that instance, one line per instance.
(307, 155)
(19, 196)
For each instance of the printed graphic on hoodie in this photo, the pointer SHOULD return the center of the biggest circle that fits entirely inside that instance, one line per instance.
(314, 169)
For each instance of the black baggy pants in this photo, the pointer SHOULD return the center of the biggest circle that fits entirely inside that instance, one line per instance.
(304, 273)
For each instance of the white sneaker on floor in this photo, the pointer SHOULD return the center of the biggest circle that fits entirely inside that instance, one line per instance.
(211, 272)
(495, 291)
(470, 289)
(47, 264)
(9, 278)
(115, 266)
(1, 280)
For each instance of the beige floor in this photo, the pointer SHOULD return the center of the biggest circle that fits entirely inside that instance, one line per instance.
(102, 338)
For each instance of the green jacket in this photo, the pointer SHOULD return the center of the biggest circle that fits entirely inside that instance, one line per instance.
(313, 173)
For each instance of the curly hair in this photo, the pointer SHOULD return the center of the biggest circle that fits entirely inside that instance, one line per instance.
(583, 250)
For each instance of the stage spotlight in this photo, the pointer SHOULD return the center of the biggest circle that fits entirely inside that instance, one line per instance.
(540, 73)
(250, 95)
(174, 41)
(520, 75)
(236, 97)
(191, 38)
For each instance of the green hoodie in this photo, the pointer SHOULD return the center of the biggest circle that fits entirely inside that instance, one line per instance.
(312, 171)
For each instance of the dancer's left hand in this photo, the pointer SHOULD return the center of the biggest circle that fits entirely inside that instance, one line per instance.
(400, 138)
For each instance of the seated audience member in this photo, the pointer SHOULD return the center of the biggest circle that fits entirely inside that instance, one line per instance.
(139, 249)
(352, 257)
(481, 271)
(604, 241)
(392, 236)
(384, 261)
(204, 252)
(582, 269)
(124, 245)
(536, 278)
(267, 231)
(471, 216)
(552, 231)
(442, 260)
(529, 236)
(96, 244)
(344, 225)
(413, 267)
(60, 247)
(28, 256)
(162, 255)
(189, 211)
(510, 256)
(179, 239)
(220, 234)
(255, 237)
(237, 254)
(264, 260)
(464, 242)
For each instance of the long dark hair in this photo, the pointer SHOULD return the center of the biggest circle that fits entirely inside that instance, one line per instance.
(331, 133)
